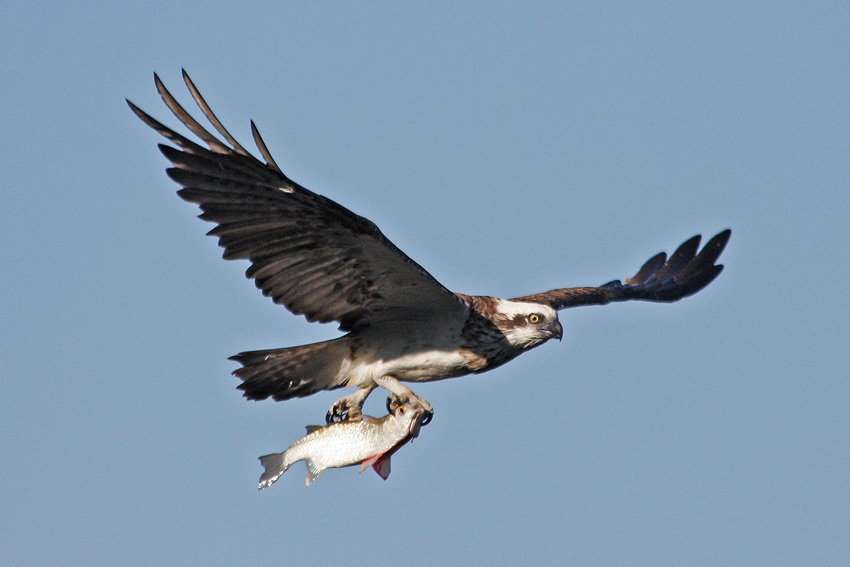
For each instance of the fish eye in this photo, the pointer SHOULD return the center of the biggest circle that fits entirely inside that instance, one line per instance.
(534, 318)
(400, 410)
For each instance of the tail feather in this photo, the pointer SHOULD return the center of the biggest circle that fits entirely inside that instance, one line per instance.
(286, 373)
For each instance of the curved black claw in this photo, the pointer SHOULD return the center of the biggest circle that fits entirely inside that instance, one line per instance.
(393, 403)
(427, 416)
(335, 416)
(340, 412)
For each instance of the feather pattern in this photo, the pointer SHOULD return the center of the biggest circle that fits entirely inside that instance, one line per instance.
(659, 279)
(323, 261)
(307, 252)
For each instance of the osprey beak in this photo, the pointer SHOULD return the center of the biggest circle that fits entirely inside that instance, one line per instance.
(555, 330)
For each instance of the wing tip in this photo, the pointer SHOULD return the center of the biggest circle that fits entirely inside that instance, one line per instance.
(721, 238)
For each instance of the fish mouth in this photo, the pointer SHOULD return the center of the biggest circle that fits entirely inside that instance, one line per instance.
(415, 412)
(417, 424)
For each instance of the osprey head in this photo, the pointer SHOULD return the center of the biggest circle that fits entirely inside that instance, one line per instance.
(525, 324)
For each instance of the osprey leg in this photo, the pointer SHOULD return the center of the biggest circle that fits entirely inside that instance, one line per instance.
(349, 407)
(401, 394)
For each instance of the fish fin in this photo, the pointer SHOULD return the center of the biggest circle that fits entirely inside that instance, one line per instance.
(274, 468)
(382, 466)
(312, 428)
(313, 471)
(369, 462)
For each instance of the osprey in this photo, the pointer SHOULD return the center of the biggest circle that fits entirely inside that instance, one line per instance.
(323, 261)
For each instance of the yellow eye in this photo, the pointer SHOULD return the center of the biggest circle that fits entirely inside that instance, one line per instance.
(534, 318)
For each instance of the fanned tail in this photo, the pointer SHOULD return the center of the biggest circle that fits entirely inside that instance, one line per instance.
(286, 373)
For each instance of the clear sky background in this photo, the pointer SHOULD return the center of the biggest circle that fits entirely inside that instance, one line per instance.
(507, 148)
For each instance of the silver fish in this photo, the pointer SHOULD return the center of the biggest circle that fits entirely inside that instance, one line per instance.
(368, 442)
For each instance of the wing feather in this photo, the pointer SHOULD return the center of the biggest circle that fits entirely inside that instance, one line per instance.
(310, 254)
(202, 104)
(261, 145)
(659, 279)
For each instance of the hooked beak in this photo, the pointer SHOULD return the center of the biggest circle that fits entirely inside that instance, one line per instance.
(555, 330)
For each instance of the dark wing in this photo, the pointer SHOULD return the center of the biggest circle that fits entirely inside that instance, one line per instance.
(307, 252)
(660, 279)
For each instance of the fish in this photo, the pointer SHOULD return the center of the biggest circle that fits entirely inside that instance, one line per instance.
(368, 442)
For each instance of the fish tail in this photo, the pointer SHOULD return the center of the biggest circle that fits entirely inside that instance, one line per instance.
(274, 466)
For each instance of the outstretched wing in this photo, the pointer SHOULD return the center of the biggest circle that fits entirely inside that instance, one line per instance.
(307, 252)
(660, 279)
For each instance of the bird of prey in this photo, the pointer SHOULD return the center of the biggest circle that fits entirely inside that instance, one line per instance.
(323, 261)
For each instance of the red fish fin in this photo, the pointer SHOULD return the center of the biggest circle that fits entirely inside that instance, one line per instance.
(369, 462)
(382, 466)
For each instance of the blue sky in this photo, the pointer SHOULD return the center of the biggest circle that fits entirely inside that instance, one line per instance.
(507, 148)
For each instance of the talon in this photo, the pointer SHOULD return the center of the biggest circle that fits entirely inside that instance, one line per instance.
(393, 402)
(350, 407)
(428, 413)
(336, 415)
(427, 416)
(342, 412)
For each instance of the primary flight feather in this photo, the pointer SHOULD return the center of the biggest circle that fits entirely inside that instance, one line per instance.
(327, 263)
